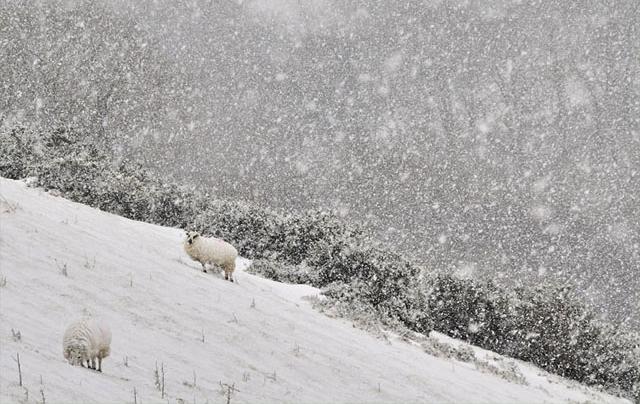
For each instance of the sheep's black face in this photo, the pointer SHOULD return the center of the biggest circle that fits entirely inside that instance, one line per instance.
(74, 356)
(191, 237)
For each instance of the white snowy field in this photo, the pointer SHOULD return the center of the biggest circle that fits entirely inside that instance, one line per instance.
(60, 260)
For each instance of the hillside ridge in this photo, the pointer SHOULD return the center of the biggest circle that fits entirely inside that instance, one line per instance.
(60, 260)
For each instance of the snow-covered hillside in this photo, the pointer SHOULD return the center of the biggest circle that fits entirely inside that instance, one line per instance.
(60, 260)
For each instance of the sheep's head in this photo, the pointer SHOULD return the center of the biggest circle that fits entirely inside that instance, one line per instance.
(75, 355)
(192, 236)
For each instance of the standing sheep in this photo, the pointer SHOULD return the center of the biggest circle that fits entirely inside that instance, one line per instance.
(212, 251)
(86, 340)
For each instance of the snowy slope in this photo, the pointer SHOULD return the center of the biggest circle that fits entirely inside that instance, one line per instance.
(161, 307)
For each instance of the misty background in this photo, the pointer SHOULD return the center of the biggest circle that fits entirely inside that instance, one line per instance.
(496, 139)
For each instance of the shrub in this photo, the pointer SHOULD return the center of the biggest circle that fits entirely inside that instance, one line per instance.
(546, 325)
(19, 153)
(280, 272)
(303, 237)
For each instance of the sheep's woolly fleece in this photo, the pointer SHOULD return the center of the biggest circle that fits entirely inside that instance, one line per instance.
(214, 251)
(87, 340)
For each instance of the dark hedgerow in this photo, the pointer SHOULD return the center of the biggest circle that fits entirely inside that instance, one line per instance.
(546, 325)
(281, 272)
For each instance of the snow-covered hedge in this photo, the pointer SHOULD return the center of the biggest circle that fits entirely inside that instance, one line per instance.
(280, 272)
(546, 325)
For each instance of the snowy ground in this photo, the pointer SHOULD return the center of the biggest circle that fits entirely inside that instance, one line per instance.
(204, 331)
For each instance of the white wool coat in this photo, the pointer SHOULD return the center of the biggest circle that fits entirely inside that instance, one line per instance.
(208, 250)
(86, 339)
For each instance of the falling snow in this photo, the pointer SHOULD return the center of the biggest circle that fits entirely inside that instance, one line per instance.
(496, 141)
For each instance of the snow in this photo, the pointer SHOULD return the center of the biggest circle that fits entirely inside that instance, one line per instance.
(162, 309)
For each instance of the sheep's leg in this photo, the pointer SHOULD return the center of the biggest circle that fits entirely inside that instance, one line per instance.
(228, 272)
(204, 267)
(99, 364)
(93, 363)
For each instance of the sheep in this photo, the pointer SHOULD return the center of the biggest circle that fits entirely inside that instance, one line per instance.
(86, 340)
(214, 251)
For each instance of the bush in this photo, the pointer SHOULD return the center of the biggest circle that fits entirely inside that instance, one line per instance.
(303, 237)
(546, 325)
(71, 163)
(19, 153)
(280, 272)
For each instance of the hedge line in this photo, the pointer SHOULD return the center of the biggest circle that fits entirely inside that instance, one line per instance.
(548, 326)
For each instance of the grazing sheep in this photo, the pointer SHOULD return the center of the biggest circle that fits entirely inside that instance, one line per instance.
(86, 340)
(212, 251)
